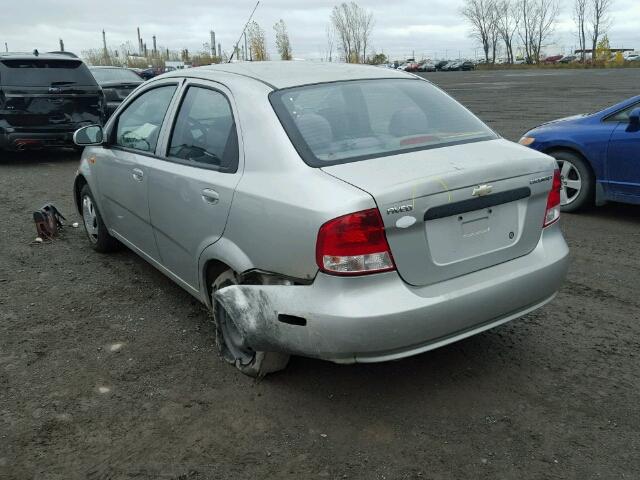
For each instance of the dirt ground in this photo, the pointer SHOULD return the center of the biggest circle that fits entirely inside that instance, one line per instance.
(108, 369)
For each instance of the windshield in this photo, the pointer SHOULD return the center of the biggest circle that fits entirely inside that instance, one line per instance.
(121, 75)
(354, 120)
(44, 72)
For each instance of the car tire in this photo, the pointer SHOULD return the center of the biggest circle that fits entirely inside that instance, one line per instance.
(94, 226)
(578, 181)
(228, 338)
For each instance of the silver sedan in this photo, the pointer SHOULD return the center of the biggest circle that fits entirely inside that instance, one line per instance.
(348, 213)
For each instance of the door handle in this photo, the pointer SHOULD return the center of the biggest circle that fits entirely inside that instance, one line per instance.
(210, 196)
(137, 174)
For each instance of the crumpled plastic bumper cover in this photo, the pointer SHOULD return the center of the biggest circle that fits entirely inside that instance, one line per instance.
(379, 317)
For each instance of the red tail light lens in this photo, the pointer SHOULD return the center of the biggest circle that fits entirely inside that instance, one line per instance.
(354, 244)
(552, 213)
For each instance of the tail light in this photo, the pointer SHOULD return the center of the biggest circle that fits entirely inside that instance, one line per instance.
(552, 213)
(354, 244)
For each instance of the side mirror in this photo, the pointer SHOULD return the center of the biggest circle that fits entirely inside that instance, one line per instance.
(634, 118)
(90, 135)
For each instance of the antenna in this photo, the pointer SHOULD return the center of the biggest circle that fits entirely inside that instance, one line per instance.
(235, 47)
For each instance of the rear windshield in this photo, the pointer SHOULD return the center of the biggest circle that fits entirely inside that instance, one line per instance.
(44, 73)
(348, 121)
(103, 75)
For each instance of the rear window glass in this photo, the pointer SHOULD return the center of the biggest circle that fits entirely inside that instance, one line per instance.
(122, 75)
(44, 73)
(348, 121)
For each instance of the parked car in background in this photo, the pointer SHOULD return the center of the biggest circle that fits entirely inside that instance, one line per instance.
(44, 98)
(453, 66)
(146, 73)
(467, 65)
(409, 223)
(426, 66)
(116, 83)
(598, 154)
(411, 67)
(569, 59)
(441, 64)
(553, 59)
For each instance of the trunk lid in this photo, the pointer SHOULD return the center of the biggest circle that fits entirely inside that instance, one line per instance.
(436, 227)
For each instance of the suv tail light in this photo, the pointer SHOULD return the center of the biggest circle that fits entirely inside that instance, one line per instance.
(552, 213)
(354, 244)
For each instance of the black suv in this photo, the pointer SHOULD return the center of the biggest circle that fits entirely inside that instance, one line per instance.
(44, 99)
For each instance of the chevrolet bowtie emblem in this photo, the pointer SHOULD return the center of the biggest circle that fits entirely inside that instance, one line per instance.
(482, 190)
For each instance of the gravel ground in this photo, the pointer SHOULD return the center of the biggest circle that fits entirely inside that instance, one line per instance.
(108, 369)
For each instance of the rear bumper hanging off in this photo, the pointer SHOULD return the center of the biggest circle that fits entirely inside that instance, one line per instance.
(379, 317)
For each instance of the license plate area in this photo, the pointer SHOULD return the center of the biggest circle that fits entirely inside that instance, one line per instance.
(468, 235)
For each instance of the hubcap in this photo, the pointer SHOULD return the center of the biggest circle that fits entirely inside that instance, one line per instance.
(90, 219)
(571, 182)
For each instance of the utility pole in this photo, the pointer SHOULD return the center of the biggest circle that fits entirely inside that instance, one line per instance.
(246, 49)
(139, 42)
(61, 45)
(154, 53)
(104, 44)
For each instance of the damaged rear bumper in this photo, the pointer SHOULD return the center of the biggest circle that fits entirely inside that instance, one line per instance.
(379, 317)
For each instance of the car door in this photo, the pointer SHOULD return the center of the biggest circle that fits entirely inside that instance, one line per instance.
(191, 188)
(122, 168)
(623, 156)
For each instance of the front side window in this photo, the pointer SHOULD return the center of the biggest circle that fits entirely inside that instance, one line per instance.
(354, 120)
(139, 124)
(204, 132)
(623, 116)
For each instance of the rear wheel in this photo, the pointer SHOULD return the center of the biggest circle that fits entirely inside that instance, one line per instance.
(578, 182)
(230, 340)
(96, 230)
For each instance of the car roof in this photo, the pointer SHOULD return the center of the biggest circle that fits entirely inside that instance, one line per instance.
(110, 67)
(40, 56)
(283, 74)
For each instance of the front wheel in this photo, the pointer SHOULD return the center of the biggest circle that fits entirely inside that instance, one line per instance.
(230, 340)
(577, 181)
(96, 230)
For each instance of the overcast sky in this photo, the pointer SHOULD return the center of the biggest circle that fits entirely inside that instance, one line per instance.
(431, 28)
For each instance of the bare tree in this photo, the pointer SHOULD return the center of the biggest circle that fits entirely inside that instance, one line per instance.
(353, 26)
(507, 22)
(599, 22)
(481, 15)
(331, 40)
(257, 42)
(282, 40)
(580, 19)
(538, 21)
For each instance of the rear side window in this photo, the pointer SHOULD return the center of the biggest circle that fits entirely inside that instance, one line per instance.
(44, 73)
(139, 124)
(348, 121)
(204, 132)
(115, 75)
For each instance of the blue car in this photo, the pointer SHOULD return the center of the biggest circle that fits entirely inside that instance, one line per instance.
(598, 154)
